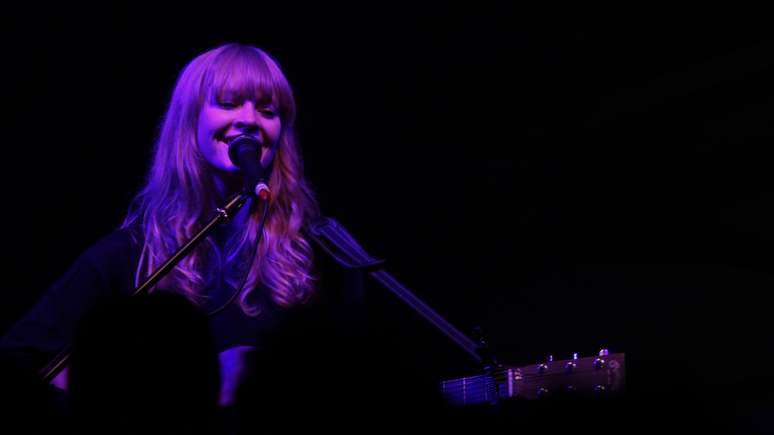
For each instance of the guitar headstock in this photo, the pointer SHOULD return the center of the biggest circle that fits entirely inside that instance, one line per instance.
(594, 375)
(600, 375)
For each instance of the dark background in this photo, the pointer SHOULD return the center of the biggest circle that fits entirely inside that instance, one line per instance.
(567, 181)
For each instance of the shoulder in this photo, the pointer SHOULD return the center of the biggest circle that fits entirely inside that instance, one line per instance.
(108, 263)
(331, 272)
(120, 243)
(339, 290)
(120, 238)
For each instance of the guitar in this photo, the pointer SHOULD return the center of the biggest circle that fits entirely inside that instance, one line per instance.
(596, 375)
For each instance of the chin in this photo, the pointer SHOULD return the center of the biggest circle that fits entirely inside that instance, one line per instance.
(222, 165)
(228, 167)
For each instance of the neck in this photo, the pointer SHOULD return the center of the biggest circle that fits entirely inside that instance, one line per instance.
(226, 184)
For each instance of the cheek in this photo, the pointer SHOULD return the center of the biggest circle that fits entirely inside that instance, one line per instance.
(275, 130)
(202, 127)
(210, 122)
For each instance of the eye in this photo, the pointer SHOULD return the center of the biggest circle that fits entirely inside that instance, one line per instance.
(268, 112)
(227, 104)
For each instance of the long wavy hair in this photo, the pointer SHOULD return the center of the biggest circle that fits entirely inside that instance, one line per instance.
(180, 193)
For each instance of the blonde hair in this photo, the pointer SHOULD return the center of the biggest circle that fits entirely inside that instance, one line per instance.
(179, 194)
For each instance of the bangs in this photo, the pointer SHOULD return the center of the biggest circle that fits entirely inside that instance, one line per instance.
(245, 74)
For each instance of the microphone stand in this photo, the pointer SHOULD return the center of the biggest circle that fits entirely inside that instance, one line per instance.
(52, 369)
(330, 235)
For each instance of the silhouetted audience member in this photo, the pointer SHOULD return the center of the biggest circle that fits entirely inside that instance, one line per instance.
(27, 404)
(143, 365)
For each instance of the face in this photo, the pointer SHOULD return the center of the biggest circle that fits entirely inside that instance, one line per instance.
(223, 118)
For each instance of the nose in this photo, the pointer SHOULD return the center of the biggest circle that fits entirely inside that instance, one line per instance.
(246, 118)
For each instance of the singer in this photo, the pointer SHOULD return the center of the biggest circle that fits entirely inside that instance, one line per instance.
(250, 292)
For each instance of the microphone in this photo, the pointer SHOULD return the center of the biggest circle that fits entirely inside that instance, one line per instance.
(245, 153)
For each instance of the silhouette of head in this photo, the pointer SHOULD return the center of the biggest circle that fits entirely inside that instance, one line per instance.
(144, 364)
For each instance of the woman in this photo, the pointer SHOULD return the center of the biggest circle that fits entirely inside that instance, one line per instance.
(246, 288)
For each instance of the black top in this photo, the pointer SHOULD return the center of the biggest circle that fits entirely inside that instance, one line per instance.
(107, 270)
